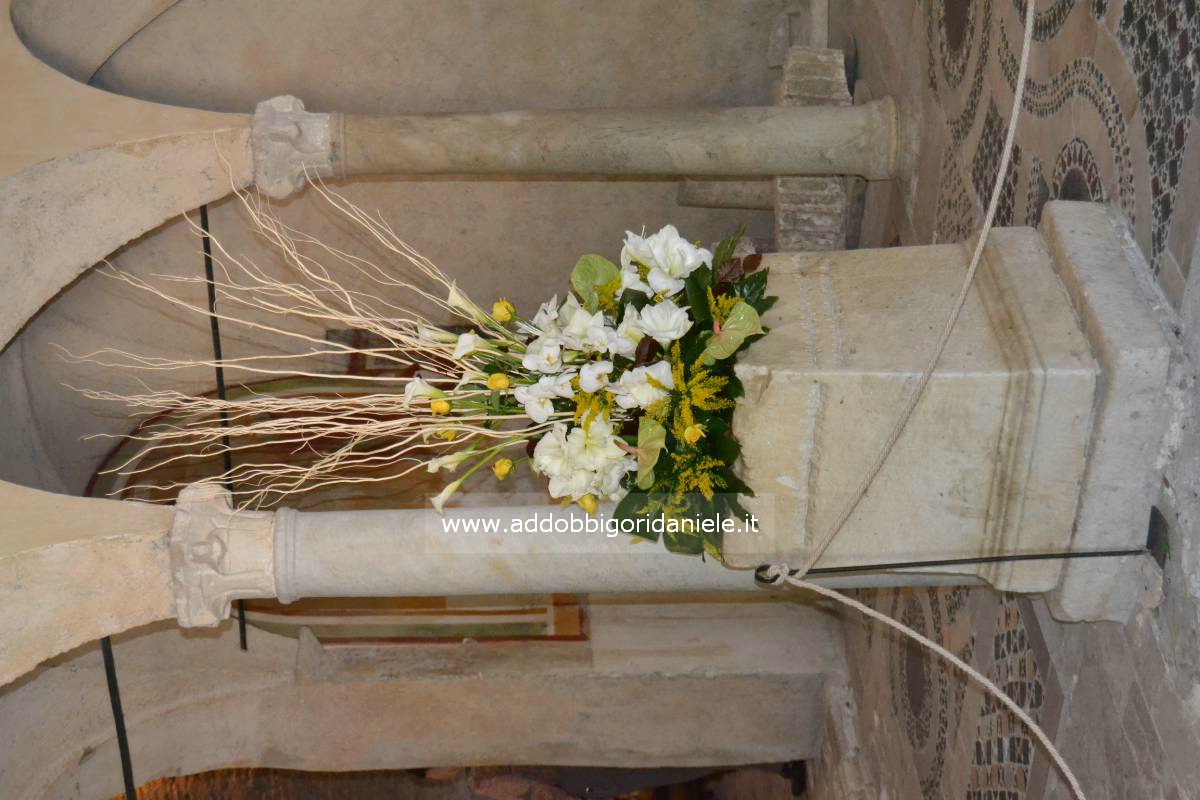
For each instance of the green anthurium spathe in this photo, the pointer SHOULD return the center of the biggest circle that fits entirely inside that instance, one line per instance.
(652, 438)
(741, 323)
(590, 273)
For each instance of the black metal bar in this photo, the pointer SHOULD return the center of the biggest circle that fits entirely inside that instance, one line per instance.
(215, 327)
(760, 573)
(114, 698)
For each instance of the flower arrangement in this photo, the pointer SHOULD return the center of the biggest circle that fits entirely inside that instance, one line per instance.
(634, 374)
(623, 392)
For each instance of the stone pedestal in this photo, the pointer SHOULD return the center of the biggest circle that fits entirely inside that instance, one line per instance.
(1036, 434)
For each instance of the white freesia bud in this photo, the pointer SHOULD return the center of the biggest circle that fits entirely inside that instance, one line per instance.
(448, 462)
(636, 388)
(416, 387)
(594, 377)
(444, 495)
(664, 322)
(460, 302)
(429, 333)
(467, 343)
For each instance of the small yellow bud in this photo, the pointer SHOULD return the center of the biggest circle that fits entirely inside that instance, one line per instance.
(693, 433)
(498, 380)
(439, 407)
(589, 504)
(502, 467)
(503, 310)
(447, 433)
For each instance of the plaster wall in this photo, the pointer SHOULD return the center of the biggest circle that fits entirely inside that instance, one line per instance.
(713, 682)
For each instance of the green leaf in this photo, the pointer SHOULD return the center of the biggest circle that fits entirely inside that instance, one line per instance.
(725, 248)
(752, 288)
(742, 322)
(652, 438)
(695, 287)
(591, 272)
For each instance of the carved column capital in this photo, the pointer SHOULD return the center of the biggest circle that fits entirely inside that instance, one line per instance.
(218, 554)
(287, 140)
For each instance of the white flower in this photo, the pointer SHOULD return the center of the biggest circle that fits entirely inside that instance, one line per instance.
(608, 480)
(444, 495)
(418, 388)
(665, 322)
(448, 462)
(593, 446)
(574, 482)
(631, 279)
(581, 330)
(543, 354)
(537, 405)
(537, 397)
(550, 453)
(460, 302)
(635, 390)
(670, 257)
(467, 343)
(547, 314)
(594, 377)
(624, 340)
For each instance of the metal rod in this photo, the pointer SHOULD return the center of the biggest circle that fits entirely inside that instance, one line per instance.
(760, 573)
(114, 698)
(215, 327)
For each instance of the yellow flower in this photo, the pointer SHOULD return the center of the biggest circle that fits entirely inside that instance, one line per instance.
(498, 380)
(439, 407)
(693, 433)
(589, 504)
(503, 310)
(447, 433)
(502, 467)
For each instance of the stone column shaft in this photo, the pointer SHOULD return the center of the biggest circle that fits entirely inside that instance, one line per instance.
(764, 141)
(291, 144)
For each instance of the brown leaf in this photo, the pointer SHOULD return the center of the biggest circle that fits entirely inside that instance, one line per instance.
(647, 351)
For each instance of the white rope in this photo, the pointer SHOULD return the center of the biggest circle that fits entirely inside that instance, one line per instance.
(780, 573)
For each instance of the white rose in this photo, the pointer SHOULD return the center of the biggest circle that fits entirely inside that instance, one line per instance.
(670, 257)
(550, 452)
(665, 322)
(543, 354)
(594, 377)
(634, 389)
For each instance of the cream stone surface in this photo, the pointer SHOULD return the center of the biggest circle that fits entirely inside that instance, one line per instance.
(708, 682)
(1100, 266)
(992, 460)
(74, 569)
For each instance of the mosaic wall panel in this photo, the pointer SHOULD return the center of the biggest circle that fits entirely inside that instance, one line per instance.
(1109, 114)
(1109, 110)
